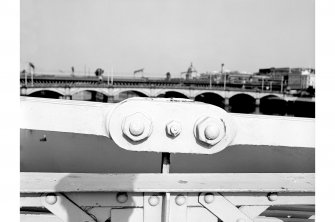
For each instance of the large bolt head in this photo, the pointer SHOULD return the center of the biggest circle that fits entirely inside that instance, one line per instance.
(173, 128)
(210, 130)
(137, 127)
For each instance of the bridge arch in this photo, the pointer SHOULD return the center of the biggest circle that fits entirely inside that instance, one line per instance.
(128, 93)
(78, 90)
(90, 95)
(231, 94)
(242, 103)
(171, 94)
(269, 94)
(45, 93)
(139, 91)
(211, 98)
(273, 105)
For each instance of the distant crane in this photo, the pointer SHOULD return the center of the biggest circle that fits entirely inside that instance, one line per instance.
(139, 71)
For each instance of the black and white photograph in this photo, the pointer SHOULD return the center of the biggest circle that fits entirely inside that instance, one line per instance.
(172, 111)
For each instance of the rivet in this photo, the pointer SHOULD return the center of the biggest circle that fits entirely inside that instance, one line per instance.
(272, 196)
(209, 198)
(153, 200)
(51, 199)
(122, 197)
(212, 132)
(180, 199)
(136, 127)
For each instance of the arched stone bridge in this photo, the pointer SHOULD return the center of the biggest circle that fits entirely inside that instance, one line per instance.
(191, 93)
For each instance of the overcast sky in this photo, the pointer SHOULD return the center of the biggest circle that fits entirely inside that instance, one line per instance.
(163, 36)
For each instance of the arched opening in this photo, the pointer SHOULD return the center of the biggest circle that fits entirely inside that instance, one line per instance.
(211, 98)
(302, 108)
(242, 103)
(273, 105)
(129, 94)
(90, 95)
(46, 94)
(172, 94)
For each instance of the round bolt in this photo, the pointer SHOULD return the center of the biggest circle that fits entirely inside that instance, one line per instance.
(153, 200)
(173, 128)
(180, 199)
(272, 196)
(209, 198)
(209, 130)
(212, 132)
(122, 197)
(51, 199)
(136, 127)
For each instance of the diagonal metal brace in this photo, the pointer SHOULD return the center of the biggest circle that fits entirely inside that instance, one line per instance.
(222, 208)
(63, 208)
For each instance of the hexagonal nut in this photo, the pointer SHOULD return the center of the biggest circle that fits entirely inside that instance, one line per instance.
(173, 128)
(137, 127)
(210, 130)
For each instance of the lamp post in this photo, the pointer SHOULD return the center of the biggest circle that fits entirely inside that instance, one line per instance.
(210, 80)
(262, 83)
(224, 78)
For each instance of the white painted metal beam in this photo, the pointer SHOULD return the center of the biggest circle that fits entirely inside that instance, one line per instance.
(113, 121)
(274, 130)
(224, 182)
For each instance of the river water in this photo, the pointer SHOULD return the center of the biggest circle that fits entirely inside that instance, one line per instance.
(45, 151)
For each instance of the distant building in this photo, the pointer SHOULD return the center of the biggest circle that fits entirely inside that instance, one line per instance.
(295, 78)
(191, 73)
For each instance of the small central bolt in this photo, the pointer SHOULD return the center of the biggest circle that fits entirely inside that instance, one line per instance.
(212, 132)
(173, 128)
(136, 127)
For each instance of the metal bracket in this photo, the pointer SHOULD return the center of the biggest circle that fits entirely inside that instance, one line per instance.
(63, 208)
(222, 208)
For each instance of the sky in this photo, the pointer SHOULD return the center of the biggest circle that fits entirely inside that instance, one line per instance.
(166, 36)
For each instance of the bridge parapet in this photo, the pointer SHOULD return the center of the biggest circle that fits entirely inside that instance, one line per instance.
(153, 91)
